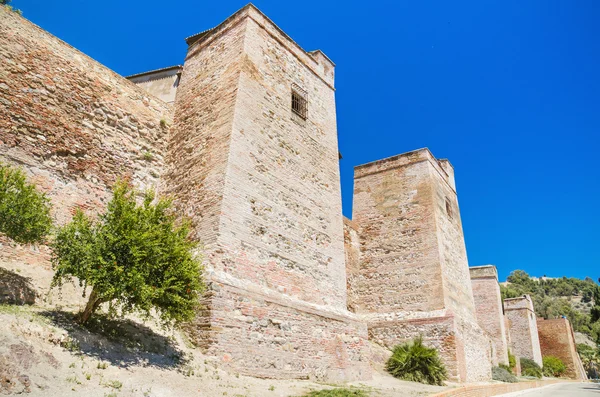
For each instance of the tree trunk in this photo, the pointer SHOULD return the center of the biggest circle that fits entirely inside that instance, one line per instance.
(93, 302)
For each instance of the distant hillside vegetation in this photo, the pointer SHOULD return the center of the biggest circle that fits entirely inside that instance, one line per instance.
(578, 300)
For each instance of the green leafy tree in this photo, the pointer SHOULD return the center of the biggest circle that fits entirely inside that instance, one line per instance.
(553, 366)
(136, 257)
(24, 211)
(416, 362)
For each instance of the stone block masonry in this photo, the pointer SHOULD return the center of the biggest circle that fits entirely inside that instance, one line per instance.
(557, 339)
(413, 276)
(262, 186)
(250, 155)
(73, 125)
(489, 310)
(523, 329)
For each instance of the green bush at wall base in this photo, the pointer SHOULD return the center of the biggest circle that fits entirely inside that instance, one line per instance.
(553, 366)
(417, 363)
(503, 375)
(530, 368)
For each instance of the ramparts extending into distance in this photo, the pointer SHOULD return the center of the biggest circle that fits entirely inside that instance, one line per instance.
(244, 137)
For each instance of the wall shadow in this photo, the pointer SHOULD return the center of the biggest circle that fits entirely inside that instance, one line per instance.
(121, 342)
(16, 289)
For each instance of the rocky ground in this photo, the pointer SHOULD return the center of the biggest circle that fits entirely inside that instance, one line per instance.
(43, 352)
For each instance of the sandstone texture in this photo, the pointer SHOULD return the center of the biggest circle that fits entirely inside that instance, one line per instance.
(523, 329)
(413, 276)
(294, 289)
(73, 124)
(262, 186)
(489, 310)
(557, 339)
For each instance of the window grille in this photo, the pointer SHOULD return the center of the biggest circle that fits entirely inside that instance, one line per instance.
(299, 101)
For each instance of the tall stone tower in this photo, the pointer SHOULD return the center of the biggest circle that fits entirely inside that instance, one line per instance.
(413, 275)
(253, 160)
(525, 341)
(489, 310)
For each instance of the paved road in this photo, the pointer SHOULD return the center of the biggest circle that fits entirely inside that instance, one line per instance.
(563, 390)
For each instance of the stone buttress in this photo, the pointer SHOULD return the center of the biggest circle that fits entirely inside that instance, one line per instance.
(412, 276)
(523, 330)
(489, 310)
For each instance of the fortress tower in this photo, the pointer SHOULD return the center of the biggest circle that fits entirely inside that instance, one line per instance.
(524, 336)
(489, 310)
(253, 161)
(557, 339)
(412, 275)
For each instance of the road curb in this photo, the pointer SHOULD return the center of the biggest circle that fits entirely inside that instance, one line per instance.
(498, 389)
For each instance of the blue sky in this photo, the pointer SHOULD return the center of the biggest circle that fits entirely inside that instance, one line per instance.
(508, 90)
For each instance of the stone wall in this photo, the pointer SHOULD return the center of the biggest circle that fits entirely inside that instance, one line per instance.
(523, 328)
(394, 207)
(557, 339)
(413, 276)
(352, 256)
(72, 124)
(262, 187)
(489, 310)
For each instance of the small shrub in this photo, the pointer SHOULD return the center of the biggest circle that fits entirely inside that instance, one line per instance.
(102, 365)
(506, 367)
(115, 384)
(147, 156)
(341, 392)
(512, 360)
(417, 363)
(24, 211)
(553, 366)
(503, 375)
(530, 368)
(163, 123)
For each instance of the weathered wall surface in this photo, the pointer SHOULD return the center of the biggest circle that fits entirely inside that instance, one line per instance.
(489, 310)
(523, 328)
(557, 339)
(394, 206)
(262, 186)
(413, 275)
(72, 124)
(352, 256)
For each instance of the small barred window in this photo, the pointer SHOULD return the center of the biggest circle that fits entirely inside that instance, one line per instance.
(299, 101)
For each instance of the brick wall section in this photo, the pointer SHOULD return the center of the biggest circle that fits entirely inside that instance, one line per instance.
(489, 310)
(262, 186)
(557, 339)
(523, 328)
(72, 124)
(413, 275)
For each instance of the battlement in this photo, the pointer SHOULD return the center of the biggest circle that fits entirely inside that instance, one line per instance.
(485, 271)
(316, 61)
(443, 166)
(521, 302)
